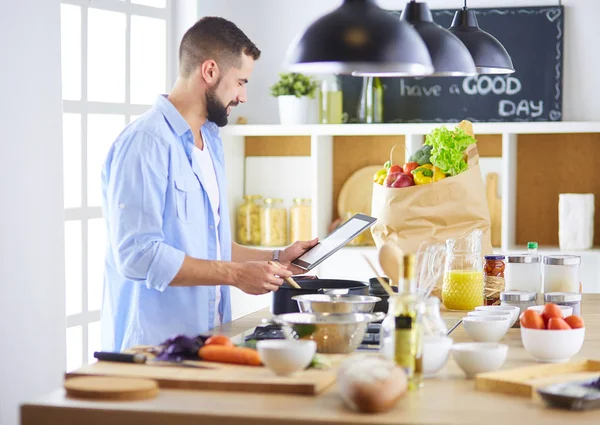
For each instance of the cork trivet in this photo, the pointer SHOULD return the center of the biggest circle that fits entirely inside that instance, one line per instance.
(111, 388)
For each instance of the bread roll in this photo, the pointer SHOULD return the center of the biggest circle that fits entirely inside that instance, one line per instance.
(371, 383)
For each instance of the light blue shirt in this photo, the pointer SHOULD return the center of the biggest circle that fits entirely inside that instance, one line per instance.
(156, 211)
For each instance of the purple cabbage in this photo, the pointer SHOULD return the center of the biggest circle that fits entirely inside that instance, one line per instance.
(181, 347)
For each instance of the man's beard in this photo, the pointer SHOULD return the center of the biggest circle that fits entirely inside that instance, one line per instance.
(216, 111)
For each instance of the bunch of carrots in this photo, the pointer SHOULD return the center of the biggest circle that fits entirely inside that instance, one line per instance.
(219, 348)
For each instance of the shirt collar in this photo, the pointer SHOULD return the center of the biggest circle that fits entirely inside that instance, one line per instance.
(176, 120)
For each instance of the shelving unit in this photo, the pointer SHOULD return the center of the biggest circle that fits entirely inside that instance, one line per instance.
(322, 139)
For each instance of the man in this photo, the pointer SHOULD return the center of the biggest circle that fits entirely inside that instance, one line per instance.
(171, 260)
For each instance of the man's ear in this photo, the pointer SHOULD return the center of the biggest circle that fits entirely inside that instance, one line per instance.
(210, 71)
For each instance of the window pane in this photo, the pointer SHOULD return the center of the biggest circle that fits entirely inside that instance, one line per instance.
(72, 160)
(94, 342)
(74, 348)
(106, 56)
(148, 58)
(70, 36)
(132, 118)
(102, 131)
(96, 247)
(73, 266)
(153, 3)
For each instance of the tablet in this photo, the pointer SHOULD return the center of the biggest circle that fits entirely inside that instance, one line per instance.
(336, 240)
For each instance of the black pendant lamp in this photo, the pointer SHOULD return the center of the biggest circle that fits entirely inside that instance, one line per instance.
(359, 37)
(448, 54)
(489, 54)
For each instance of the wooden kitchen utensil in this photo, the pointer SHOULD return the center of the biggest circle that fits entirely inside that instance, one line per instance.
(391, 259)
(292, 282)
(381, 281)
(495, 206)
(524, 380)
(111, 388)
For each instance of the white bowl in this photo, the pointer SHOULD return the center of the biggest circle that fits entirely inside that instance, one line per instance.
(566, 310)
(285, 356)
(516, 311)
(552, 346)
(491, 313)
(486, 328)
(436, 350)
(479, 357)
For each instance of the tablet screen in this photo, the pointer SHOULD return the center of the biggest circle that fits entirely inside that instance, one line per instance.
(340, 237)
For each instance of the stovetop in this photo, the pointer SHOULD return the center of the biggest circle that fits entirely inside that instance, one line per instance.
(370, 340)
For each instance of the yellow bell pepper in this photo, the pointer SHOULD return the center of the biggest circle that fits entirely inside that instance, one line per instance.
(379, 177)
(423, 174)
(438, 174)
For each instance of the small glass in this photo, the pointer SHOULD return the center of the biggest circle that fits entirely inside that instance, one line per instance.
(433, 324)
(273, 223)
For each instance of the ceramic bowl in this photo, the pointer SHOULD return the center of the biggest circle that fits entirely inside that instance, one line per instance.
(516, 311)
(566, 310)
(552, 346)
(286, 356)
(479, 357)
(436, 350)
(491, 313)
(486, 328)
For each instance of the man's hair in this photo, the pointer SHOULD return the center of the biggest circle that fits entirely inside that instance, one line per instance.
(217, 39)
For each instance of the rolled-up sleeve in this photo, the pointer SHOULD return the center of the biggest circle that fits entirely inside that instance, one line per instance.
(136, 185)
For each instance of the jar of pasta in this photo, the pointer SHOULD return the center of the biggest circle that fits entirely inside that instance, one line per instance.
(300, 220)
(273, 223)
(248, 220)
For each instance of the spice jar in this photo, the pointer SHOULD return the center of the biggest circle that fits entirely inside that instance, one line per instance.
(273, 223)
(521, 299)
(248, 220)
(572, 299)
(561, 273)
(493, 278)
(523, 273)
(300, 220)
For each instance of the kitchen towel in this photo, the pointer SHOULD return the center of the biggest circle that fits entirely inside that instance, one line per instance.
(576, 220)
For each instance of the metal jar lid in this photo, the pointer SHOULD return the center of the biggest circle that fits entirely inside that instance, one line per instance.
(494, 257)
(527, 259)
(562, 260)
(518, 296)
(562, 297)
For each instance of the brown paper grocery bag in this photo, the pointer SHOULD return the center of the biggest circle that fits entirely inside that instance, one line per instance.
(448, 208)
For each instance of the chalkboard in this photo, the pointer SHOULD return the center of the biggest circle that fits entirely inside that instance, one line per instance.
(533, 37)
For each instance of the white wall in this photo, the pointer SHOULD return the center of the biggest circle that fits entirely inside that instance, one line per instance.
(272, 25)
(32, 307)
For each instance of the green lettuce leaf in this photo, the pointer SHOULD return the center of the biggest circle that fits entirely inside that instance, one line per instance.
(448, 148)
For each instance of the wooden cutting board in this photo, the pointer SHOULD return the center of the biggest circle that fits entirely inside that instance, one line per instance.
(221, 377)
(495, 206)
(524, 380)
(110, 388)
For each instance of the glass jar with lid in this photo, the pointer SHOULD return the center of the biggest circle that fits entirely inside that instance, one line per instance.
(561, 273)
(248, 220)
(300, 220)
(521, 299)
(571, 299)
(273, 223)
(523, 273)
(493, 278)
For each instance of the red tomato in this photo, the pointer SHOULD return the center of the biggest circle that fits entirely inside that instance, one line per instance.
(551, 311)
(558, 323)
(531, 319)
(575, 322)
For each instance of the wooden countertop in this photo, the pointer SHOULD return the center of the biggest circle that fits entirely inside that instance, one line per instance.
(448, 398)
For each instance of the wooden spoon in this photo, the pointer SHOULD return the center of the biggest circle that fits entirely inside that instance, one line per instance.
(391, 258)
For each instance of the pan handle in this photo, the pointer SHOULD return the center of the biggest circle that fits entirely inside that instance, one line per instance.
(336, 291)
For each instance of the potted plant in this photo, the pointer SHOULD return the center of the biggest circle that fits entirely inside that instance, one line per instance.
(293, 92)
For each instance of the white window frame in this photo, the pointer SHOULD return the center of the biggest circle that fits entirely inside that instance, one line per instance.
(84, 107)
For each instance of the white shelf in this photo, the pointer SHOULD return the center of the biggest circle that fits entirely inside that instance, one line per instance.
(413, 129)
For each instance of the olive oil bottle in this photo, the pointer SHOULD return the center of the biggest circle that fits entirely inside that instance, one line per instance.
(405, 309)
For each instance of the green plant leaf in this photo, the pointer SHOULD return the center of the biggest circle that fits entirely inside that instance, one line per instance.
(448, 147)
(294, 84)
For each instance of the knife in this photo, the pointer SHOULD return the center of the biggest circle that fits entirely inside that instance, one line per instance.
(138, 358)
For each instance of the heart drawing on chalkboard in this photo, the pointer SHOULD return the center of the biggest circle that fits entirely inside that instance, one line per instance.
(554, 115)
(553, 15)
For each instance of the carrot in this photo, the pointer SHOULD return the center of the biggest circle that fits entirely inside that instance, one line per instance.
(225, 354)
(219, 340)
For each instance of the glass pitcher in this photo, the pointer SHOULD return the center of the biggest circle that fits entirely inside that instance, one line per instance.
(463, 286)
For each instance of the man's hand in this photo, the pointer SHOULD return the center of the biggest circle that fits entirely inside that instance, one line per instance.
(259, 277)
(294, 251)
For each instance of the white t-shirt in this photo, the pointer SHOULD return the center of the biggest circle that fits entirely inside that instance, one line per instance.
(209, 178)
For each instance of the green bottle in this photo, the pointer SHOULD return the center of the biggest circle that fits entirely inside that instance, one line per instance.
(377, 100)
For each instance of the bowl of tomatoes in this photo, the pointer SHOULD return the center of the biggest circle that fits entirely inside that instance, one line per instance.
(549, 337)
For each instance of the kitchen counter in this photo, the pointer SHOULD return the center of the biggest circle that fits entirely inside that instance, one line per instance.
(448, 398)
